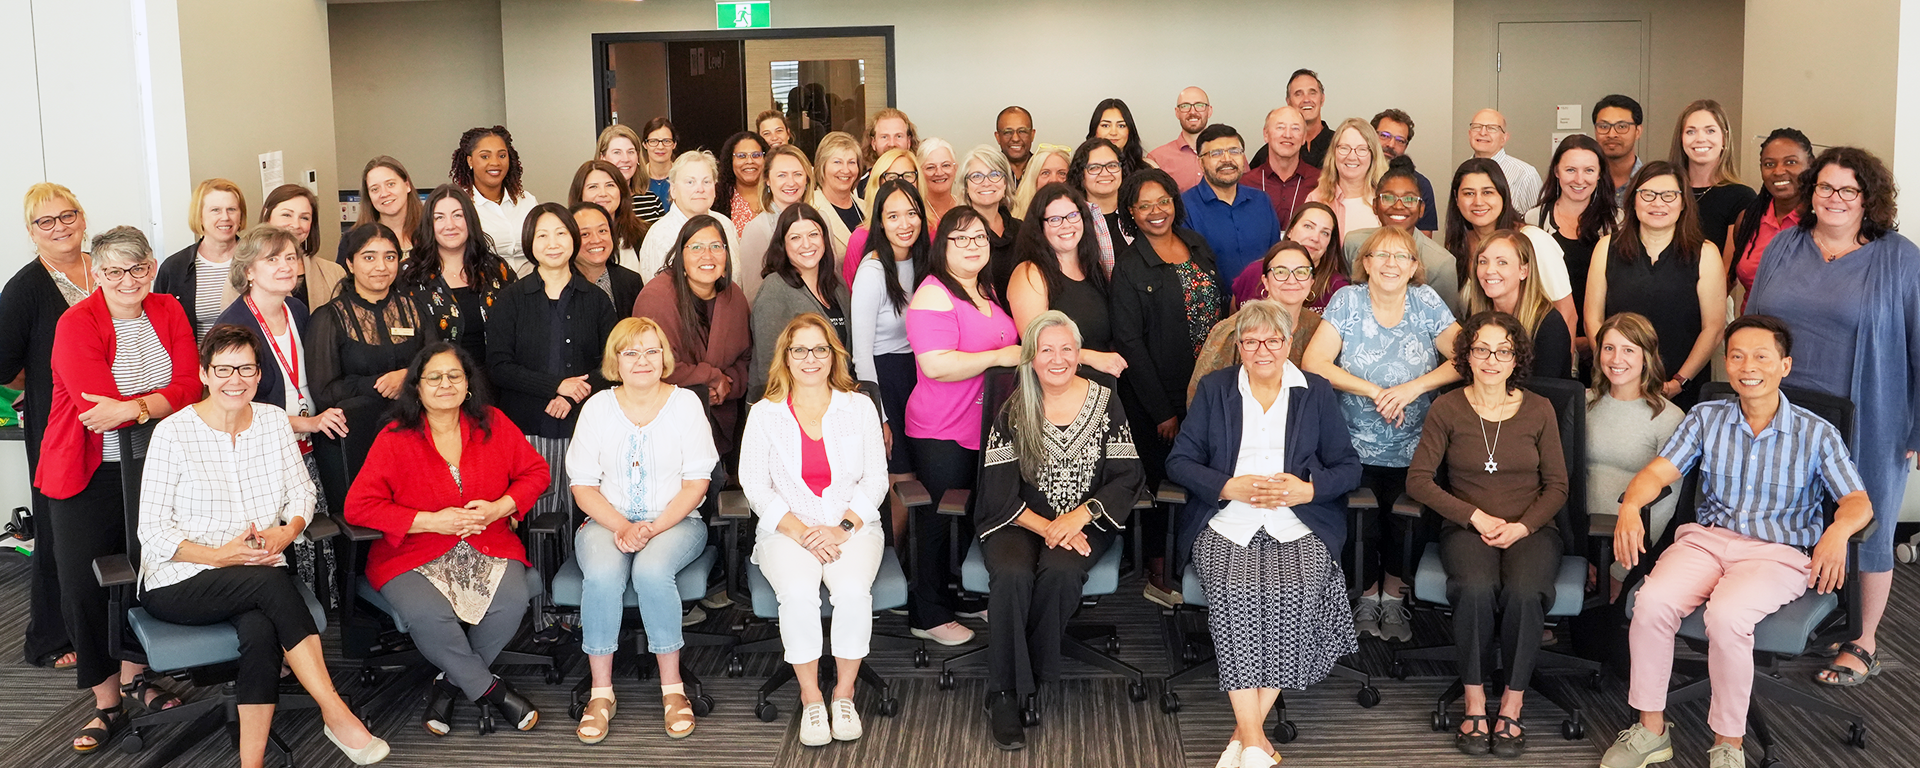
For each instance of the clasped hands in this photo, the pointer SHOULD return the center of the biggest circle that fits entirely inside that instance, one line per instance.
(1495, 532)
(823, 541)
(1066, 531)
(254, 547)
(571, 390)
(468, 520)
(1268, 491)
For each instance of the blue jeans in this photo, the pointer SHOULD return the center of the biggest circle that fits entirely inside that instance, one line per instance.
(607, 572)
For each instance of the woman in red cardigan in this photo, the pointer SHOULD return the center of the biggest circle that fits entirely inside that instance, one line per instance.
(704, 317)
(123, 356)
(442, 481)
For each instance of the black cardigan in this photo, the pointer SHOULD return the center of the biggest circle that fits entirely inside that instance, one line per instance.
(30, 307)
(626, 288)
(272, 390)
(1108, 487)
(177, 276)
(520, 341)
(1149, 317)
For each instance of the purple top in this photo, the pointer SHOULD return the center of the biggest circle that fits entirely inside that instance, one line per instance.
(950, 410)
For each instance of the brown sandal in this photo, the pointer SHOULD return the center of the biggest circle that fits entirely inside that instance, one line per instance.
(679, 715)
(599, 718)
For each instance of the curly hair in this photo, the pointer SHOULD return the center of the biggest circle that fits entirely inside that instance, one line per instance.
(462, 174)
(1522, 346)
(1876, 190)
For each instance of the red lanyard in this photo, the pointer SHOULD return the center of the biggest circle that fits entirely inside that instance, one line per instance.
(288, 363)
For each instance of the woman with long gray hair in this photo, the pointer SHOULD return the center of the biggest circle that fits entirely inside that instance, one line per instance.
(1060, 476)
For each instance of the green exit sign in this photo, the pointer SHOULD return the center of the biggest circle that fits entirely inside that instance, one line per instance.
(754, 14)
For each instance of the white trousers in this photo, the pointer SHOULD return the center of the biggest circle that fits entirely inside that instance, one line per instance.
(796, 576)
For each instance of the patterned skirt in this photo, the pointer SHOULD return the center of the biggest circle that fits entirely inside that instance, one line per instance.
(314, 560)
(1278, 612)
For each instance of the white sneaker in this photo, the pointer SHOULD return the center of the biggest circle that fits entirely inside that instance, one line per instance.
(814, 730)
(1253, 757)
(846, 721)
(1231, 757)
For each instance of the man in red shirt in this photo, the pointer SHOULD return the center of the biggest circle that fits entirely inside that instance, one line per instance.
(1283, 177)
(1178, 157)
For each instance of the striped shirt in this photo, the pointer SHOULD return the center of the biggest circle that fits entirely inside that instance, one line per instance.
(140, 365)
(209, 279)
(1763, 486)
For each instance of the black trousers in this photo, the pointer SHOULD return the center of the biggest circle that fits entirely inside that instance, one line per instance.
(1512, 587)
(90, 524)
(942, 466)
(265, 608)
(895, 374)
(1383, 532)
(1034, 591)
(46, 633)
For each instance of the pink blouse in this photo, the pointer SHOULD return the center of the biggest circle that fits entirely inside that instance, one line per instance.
(950, 410)
(814, 469)
(1749, 264)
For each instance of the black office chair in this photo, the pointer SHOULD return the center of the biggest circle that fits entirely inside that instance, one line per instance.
(1429, 583)
(1800, 628)
(202, 656)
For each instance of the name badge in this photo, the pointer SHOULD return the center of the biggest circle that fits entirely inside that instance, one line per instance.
(401, 331)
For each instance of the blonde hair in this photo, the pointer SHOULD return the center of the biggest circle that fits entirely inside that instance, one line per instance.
(624, 334)
(43, 192)
(886, 160)
(990, 156)
(1724, 173)
(766, 173)
(780, 379)
(256, 243)
(1533, 305)
(615, 131)
(1030, 182)
(1380, 237)
(837, 141)
(1329, 185)
(218, 185)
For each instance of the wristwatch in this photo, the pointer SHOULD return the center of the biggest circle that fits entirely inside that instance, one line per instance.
(846, 525)
(144, 415)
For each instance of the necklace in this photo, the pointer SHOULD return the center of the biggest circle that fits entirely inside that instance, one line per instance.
(1491, 466)
(1829, 256)
(86, 271)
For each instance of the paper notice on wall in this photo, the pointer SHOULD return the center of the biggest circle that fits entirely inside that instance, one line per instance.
(273, 172)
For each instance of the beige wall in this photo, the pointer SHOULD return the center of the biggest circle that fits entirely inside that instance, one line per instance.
(1843, 98)
(959, 63)
(1695, 52)
(408, 78)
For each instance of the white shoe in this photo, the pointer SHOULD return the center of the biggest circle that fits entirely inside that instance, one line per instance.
(814, 730)
(950, 633)
(375, 751)
(1253, 757)
(1231, 757)
(846, 721)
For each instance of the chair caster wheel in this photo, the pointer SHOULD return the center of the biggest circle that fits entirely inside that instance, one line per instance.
(1368, 697)
(890, 707)
(134, 741)
(1906, 553)
(702, 705)
(1398, 671)
(921, 660)
(1136, 692)
(486, 720)
(766, 711)
(1573, 730)
(555, 676)
(1593, 681)
(736, 667)
(576, 710)
(1439, 721)
(1170, 702)
(370, 676)
(1857, 736)
(1284, 732)
(946, 681)
(1030, 717)
(1113, 646)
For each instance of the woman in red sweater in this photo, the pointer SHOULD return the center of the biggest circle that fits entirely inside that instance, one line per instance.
(442, 481)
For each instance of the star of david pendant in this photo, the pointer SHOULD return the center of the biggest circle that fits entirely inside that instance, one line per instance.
(1492, 465)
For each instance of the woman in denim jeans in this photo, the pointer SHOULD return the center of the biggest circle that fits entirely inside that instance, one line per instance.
(641, 458)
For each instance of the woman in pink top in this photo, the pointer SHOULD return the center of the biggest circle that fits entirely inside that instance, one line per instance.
(1784, 154)
(958, 331)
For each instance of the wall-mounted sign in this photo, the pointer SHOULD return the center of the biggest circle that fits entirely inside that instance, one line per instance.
(747, 14)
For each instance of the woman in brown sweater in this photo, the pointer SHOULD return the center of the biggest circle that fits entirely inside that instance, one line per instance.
(704, 317)
(1506, 478)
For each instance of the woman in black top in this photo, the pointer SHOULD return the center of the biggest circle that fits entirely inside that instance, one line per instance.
(457, 282)
(361, 344)
(1660, 265)
(1572, 212)
(1703, 150)
(544, 345)
(596, 259)
(1097, 172)
(1058, 267)
(986, 181)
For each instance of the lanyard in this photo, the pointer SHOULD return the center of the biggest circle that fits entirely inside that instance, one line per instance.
(288, 363)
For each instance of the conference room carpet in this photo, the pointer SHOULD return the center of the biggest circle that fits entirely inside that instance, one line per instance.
(1088, 718)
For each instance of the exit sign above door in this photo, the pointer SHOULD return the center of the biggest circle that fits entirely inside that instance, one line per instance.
(749, 14)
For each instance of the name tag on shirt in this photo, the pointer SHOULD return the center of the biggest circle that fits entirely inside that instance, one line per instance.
(401, 331)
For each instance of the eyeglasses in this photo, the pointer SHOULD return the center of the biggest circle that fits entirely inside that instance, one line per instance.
(1390, 138)
(1388, 198)
(1148, 205)
(1215, 154)
(1015, 132)
(982, 177)
(1273, 345)
(1295, 274)
(977, 241)
(449, 378)
(1665, 196)
(1104, 169)
(1349, 150)
(821, 351)
(1189, 106)
(630, 356)
(1619, 127)
(1847, 194)
(658, 143)
(67, 217)
(911, 176)
(1397, 258)
(138, 271)
(247, 371)
(1482, 353)
(702, 249)
(1485, 128)
(1054, 221)
(744, 155)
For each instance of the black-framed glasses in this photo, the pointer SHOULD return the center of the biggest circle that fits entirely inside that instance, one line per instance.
(982, 177)
(1274, 345)
(67, 217)
(448, 378)
(1069, 218)
(1388, 198)
(138, 271)
(1846, 194)
(911, 176)
(1285, 274)
(977, 241)
(1104, 169)
(1389, 138)
(1662, 195)
(1482, 353)
(657, 143)
(1015, 132)
(247, 371)
(1189, 106)
(756, 154)
(1620, 127)
(821, 351)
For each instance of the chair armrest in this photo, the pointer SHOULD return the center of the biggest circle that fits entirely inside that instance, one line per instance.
(549, 524)
(734, 506)
(1665, 491)
(1601, 525)
(1861, 536)
(1168, 493)
(954, 502)
(1362, 498)
(114, 571)
(359, 533)
(1405, 506)
(912, 493)
(322, 527)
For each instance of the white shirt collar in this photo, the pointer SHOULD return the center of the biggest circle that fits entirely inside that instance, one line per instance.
(1290, 377)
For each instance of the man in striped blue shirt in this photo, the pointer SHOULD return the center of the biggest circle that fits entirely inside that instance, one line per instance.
(1760, 541)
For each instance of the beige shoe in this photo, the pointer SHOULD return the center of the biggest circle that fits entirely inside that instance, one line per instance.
(596, 722)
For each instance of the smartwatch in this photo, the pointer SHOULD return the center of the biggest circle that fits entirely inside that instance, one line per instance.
(846, 525)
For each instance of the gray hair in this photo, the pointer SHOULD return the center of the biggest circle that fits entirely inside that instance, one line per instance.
(1263, 313)
(256, 243)
(122, 244)
(1026, 407)
(990, 156)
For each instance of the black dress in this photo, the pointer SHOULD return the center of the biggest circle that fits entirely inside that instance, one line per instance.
(30, 308)
(1552, 347)
(1718, 207)
(1666, 292)
(459, 315)
(1000, 256)
(352, 342)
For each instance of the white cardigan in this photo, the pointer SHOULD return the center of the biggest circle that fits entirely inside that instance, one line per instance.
(770, 463)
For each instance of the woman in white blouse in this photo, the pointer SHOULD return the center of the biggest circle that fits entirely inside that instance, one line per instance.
(488, 167)
(815, 469)
(640, 461)
(692, 177)
(224, 493)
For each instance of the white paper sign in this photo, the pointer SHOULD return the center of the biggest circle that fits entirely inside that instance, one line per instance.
(273, 172)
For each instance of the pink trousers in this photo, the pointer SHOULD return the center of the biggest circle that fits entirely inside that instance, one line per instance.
(1742, 580)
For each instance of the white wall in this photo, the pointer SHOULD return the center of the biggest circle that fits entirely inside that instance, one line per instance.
(1844, 98)
(958, 64)
(1906, 128)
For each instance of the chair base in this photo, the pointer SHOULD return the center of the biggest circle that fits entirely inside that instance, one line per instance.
(218, 712)
(1768, 685)
(1078, 644)
(1572, 728)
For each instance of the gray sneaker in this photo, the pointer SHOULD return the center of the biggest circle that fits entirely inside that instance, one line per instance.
(1726, 756)
(1366, 617)
(1394, 618)
(1638, 747)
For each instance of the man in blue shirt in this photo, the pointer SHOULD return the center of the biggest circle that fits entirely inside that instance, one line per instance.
(1237, 222)
(1759, 543)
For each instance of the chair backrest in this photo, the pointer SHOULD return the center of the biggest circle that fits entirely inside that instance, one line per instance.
(1569, 401)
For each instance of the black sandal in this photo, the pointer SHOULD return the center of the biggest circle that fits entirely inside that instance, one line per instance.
(1511, 744)
(116, 721)
(147, 696)
(1472, 741)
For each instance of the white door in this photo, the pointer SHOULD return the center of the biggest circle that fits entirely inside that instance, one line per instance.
(1540, 65)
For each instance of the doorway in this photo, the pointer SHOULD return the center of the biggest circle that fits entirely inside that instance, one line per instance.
(1535, 74)
(714, 84)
